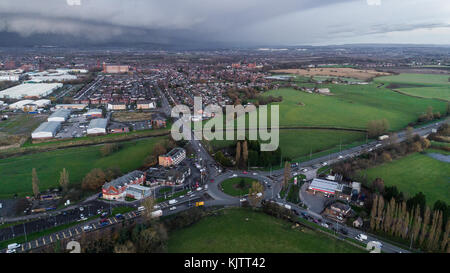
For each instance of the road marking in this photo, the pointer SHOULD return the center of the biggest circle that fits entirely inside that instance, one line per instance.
(37, 243)
(29, 244)
(51, 239)
(77, 231)
(64, 234)
(70, 232)
(57, 236)
(43, 240)
(23, 248)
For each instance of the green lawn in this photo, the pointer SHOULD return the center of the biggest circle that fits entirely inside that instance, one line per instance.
(16, 171)
(415, 173)
(422, 85)
(231, 232)
(230, 186)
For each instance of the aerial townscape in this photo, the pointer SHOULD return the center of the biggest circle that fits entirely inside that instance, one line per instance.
(91, 113)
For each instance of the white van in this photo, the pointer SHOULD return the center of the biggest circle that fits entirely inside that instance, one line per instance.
(13, 246)
(141, 208)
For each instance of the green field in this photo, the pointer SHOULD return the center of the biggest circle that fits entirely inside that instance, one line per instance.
(351, 106)
(415, 173)
(261, 233)
(421, 85)
(230, 186)
(21, 123)
(297, 142)
(16, 171)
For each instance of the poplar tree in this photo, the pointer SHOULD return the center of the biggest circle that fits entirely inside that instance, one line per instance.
(238, 153)
(445, 236)
(35, 182)
(426, 221)
(287, 173)
(432, 231)
(245, 152)
(380, 210)
(64, 180)
(416, 224)
(373, 213)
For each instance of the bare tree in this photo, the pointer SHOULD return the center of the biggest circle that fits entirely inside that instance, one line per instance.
(64, 180)
(35, 183)
(253, 198)
(148, 204)
(238, 154)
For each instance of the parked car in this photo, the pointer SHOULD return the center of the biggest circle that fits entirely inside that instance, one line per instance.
(119, 216)
(87, 228)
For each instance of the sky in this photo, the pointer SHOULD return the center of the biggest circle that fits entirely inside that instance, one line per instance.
(228, 22)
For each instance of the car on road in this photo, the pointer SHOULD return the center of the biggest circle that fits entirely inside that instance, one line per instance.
(173, 208)
(361, 237)
(255, 174)
(340, 157)
(244, 172)
(87, 228)
(99, 211)
(13, 246)
(315, 220)
(242, 200)
(141, 208)
(234, 175)
(212, 180)
(199, 188)
(324, 225)
(104, 215)
(181, 196)
(304, 170)
(324, 163)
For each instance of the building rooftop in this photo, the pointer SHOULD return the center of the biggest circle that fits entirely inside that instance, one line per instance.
(60, 113)
(49, 126)
(323, 185)
(123, 180)
(98, 123)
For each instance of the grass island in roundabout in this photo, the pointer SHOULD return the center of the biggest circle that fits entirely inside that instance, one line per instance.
(237, 186)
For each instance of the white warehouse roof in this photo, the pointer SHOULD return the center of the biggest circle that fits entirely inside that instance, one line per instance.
(97, 126)
(46, 130)
(30, 90)
(19, 104)
(59, 115)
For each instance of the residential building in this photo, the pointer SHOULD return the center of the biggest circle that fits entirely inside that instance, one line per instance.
(174, 157)
(116, 189)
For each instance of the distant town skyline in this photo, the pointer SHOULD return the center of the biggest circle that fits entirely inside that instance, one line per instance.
(227, 23)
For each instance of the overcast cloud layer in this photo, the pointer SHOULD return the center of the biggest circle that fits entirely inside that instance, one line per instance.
(238, 22)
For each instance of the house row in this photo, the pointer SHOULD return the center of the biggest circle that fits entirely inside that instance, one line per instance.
(116, 189)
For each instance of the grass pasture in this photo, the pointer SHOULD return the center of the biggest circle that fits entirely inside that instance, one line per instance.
(421, 85)
(16, 171)
(261, 233)
(231, 186)
(415, 173)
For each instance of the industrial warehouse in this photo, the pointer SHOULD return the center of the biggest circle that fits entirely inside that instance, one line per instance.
(60, 115)
(30, 90)
(46, 130)
(97, 126)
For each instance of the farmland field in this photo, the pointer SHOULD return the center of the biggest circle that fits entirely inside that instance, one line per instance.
(421, 85)
(334, 72)
(297, 142)
(16, 171)
(415, 173)
(261, 233)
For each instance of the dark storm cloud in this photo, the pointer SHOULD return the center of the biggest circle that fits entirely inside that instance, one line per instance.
(231, 21)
